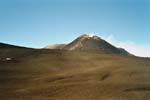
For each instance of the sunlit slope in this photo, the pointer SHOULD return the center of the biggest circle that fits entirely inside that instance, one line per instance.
(72, 75)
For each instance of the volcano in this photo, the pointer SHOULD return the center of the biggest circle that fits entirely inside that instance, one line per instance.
(89, 43)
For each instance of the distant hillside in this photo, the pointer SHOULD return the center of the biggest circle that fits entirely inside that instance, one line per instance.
(55, 46)
(7, 50)
(4, 45)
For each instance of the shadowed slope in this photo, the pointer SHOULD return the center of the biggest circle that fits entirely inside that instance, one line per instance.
(3, 45)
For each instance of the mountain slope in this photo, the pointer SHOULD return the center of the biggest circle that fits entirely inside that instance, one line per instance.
(8, 50)
(61, 75)
(3, 45)
(55, 46)
(90, 43)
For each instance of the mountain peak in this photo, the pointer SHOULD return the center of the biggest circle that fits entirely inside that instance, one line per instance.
(91, 36)
(87, 42)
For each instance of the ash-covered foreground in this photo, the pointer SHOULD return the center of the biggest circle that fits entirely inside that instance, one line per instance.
(72, 75)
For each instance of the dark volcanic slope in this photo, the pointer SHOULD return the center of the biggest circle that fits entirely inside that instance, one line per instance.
(72, 75)
(7, 50)
(92, 43)
(3, 45)
(89, 43)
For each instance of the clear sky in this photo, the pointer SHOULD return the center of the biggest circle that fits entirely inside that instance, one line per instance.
(36, 23)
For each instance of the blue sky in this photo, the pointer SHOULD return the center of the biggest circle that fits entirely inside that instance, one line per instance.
(36, 23)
